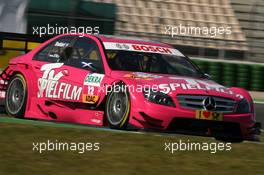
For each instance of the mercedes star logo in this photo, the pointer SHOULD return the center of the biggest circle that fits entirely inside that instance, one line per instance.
(209, 104)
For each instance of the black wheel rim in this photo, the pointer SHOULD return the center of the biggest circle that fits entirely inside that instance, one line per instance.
(117, 107)
(15, 96)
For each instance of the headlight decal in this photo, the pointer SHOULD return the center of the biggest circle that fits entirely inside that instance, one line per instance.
(243, 106)
(158, 98)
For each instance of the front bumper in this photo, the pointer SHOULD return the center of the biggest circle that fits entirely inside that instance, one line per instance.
(148, 115)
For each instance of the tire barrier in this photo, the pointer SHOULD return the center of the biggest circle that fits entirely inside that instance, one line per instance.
(247, 76)
(257, 82)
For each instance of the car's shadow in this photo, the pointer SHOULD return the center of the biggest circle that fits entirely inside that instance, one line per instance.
(129, 129)
(2, 109)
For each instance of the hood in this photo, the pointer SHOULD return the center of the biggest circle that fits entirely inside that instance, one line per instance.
(174, 85)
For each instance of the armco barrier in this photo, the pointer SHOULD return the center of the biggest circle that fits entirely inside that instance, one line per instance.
(249, 76)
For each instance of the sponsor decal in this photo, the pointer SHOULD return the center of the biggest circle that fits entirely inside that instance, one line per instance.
(91, 99)
(122, 46)
(239, 96)
(154, 49)
(50, 87)
(90, 88)
(96, 121)
(61, 44)
(166, 88)
(2, 94)
(54, 55)
(193, 84)
(208, 115)
(141, 75)
(85, 64)
(93, 79)
(142, 48)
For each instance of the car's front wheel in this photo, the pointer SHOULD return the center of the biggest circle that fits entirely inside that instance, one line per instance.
(118, 107)
(16, 96)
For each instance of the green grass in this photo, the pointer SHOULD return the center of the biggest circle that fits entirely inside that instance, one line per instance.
(120, 153)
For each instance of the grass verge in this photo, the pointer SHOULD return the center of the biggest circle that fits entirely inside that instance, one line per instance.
(120, 153)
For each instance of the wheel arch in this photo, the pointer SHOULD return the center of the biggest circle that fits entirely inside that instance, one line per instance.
(108, 89)
(29, 83)
(102, 105)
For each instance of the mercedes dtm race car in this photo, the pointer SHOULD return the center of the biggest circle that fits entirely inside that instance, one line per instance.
(123, 83)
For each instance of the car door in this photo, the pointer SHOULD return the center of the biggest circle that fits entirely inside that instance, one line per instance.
(48, 67)
(84, 66)
(70, 73)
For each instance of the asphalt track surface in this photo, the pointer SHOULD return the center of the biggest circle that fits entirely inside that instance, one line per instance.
(259, 107)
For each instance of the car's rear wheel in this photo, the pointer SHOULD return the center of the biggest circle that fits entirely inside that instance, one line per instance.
(118, 107)
(16, 96)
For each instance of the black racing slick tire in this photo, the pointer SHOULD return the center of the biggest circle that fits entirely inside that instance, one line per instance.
(16, 96)
(118, 107)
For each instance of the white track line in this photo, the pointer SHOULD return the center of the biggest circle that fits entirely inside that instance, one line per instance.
(259, 102)
(251, 142)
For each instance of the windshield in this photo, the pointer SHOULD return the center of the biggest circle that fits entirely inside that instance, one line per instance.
(151, 63)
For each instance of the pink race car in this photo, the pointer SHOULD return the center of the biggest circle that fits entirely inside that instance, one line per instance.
(124, 83)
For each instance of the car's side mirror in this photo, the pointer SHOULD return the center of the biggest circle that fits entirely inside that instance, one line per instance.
(207, 76)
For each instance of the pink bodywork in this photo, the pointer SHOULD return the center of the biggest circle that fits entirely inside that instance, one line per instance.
(66, 111)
